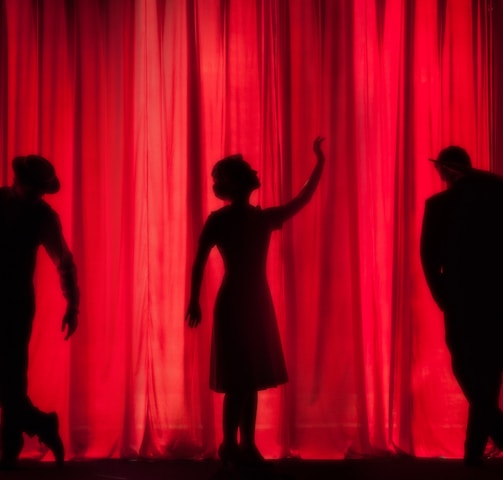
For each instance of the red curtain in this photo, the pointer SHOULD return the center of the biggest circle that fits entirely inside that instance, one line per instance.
(135, 100)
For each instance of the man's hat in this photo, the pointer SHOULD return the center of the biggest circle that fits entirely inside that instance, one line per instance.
(36, 172)
(453, 157)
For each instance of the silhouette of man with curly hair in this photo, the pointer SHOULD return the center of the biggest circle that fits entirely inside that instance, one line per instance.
(26, 222)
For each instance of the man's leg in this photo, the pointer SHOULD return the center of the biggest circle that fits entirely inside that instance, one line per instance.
(480, 381)
(46, 426)
(12, 388)
(474, 388)
(11, 436)
(494, 416)
(18, 412)
(20, 415)
(476, 436)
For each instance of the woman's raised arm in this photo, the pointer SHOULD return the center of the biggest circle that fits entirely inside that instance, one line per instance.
(289, 209)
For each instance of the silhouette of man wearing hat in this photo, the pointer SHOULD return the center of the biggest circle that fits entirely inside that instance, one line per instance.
(26, 222)
(462, 259)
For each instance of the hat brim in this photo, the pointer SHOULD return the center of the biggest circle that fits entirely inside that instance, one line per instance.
(451, 165)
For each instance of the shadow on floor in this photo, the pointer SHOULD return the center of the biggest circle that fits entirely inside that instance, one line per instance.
(379, 468)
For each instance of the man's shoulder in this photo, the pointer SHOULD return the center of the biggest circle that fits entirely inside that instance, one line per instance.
(440, 198)
(5, 191)
(487, 182)
(6, 194)
(46, 211)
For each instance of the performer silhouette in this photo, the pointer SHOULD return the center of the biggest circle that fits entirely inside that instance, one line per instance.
(462, 258)
(26, 222)
(246, 353)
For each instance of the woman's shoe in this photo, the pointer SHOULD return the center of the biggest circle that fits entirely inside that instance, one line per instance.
(250, 455)
(229, 453)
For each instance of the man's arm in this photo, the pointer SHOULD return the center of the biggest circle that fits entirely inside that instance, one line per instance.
(57, 248)
(431, 256)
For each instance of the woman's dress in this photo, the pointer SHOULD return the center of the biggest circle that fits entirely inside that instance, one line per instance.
(246, 351)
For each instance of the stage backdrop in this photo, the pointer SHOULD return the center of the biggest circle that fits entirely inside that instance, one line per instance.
(135, 100)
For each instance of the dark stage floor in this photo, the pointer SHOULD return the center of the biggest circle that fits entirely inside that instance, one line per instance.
(384, 468)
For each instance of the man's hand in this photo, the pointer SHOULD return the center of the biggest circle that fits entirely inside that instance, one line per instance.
(193, 316)
(70, 319)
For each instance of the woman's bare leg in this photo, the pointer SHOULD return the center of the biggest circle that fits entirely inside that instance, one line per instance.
(248, 419)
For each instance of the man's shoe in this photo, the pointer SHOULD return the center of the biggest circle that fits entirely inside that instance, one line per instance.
(49, 435)
(7, 464)
(12, 446)
(473, 462)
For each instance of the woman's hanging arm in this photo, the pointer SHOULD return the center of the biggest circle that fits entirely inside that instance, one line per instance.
(193, 315)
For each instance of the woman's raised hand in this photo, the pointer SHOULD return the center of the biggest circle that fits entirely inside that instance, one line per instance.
(317, 148)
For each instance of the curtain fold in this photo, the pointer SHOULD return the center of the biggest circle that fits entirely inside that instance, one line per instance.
(135, 100)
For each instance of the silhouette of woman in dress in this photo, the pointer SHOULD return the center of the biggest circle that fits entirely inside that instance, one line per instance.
(246, 353)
